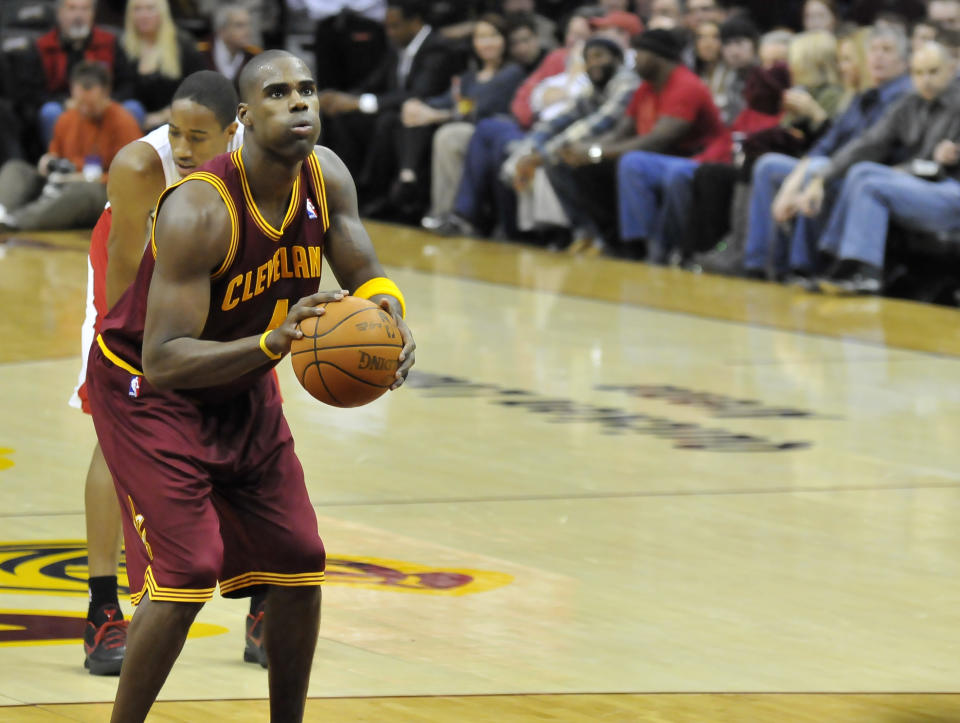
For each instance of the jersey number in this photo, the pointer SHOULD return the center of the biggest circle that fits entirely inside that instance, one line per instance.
(280, 312)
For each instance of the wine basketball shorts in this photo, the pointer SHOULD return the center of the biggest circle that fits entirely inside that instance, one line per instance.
(211, 492)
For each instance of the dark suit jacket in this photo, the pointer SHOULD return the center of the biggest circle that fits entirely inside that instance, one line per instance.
(433, 66)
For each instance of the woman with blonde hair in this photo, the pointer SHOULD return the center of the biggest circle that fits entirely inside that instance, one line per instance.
(162, 55)
(816, 93)
(852, 64)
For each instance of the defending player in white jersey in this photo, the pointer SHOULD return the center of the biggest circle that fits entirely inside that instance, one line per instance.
(202, 125)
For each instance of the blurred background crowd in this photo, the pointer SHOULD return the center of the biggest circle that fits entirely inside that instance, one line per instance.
(807, 142)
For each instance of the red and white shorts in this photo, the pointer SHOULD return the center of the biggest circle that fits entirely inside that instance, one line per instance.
(96, 302)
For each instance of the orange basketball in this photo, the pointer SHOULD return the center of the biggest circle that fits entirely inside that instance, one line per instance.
(349, 356)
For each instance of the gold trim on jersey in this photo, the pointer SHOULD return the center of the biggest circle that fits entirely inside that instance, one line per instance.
(115, 359)
(169, 594)
(221, 187)
(265, 226)
(313, 163)
(271, 578)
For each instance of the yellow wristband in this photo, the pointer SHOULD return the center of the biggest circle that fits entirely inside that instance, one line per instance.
(382, 285)
(265, 348)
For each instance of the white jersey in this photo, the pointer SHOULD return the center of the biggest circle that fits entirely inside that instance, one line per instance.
(160, 140)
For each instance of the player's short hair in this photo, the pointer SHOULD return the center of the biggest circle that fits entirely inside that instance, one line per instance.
(250, 71)
(211, 90)
(88, 73)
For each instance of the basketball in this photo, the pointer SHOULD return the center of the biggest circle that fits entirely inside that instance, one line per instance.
(349, 356)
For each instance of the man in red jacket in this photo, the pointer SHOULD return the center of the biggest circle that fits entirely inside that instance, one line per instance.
(75, 38)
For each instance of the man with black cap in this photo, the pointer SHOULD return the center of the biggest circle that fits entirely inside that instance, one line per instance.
(671, 113)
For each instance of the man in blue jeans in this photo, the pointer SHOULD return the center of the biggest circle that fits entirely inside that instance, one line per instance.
(920, 134)
(778, 179)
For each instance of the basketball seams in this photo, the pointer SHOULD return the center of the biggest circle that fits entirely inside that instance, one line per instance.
(324, 383)
(315, 349)
(333, 374)
(339, 323)
(346, 373)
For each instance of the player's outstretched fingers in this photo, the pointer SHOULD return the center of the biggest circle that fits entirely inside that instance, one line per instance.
(280, 339)
(407, 356)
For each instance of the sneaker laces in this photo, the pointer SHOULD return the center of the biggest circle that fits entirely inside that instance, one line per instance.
(113, 634)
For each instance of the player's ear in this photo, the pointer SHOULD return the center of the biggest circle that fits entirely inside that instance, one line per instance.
(230, 131)
(242, 114)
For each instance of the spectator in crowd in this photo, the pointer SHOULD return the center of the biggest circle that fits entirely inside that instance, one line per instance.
(566, 61)
(816, 93)
(264, 15)
(74, 39)
(707, 48)
(231, 47)
(671, 10)
(546, 28)
(852, 64)
(672, 117)
(483, 91)
(904, 168)
(923, 31)
(778, 180)
(360, 126)
(697, 13)
(67, 187)
(162, 56)
(349, 40)
(775, 48)
(701, 11)
(524, 47)
(820, 15)
(620, 26)
(739, 38)
(715, 190)
(591, 115)
(945, 13)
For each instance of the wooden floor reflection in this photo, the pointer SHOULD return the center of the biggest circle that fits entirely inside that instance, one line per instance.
(609, 492)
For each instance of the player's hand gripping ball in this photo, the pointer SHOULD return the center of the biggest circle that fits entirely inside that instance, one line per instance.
(349, 356)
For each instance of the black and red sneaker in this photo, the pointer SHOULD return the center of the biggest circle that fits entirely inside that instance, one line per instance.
(105, 645)
(254, 652)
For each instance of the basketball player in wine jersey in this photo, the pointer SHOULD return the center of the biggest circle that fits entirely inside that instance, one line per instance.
(202, 125)
(183, 361)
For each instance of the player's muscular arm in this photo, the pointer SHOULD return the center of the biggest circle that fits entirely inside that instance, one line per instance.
(350, 252)
(135, 182)
(192, 235)
(347, 245)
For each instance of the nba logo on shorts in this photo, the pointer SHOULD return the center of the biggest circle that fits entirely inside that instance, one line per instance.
(134, 387)
(311, 211)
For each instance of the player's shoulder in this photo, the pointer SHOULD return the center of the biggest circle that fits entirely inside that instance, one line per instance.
(334, 170)
(328, 157)
(196, 208)
(137, 157)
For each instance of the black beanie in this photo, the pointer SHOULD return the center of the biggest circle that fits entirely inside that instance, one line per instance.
(664, 43)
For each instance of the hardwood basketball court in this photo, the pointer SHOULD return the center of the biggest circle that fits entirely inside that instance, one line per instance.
(609, 492)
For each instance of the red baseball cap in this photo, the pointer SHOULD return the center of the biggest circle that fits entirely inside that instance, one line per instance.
(619, 19)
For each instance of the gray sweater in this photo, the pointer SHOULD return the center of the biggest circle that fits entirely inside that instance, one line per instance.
(909, 130)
